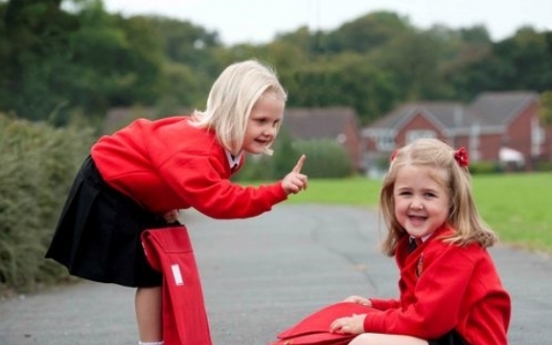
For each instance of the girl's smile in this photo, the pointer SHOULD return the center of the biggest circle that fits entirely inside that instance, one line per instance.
(421, 199)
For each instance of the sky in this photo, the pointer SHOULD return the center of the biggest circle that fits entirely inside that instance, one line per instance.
(258, 21)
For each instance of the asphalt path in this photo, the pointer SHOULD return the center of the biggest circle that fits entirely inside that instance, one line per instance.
(262, 275)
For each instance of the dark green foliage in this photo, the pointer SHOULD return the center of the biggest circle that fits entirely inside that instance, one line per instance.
(485, 168)
(34, 36)
(56, 62)
(544, 166)
(348, 80)
(367, 33)
(545, 112)
(285, 155)
(325, 159)
(256, 168)
(38, 166)
(262, 168)
(526, 62)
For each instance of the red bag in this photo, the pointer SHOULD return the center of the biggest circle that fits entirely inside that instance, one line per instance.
(317, 339)
(315, 328)
(169, 251)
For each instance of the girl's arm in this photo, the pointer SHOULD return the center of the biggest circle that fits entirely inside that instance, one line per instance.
(202, 181)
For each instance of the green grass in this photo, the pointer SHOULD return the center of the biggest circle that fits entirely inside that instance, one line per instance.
(517, 206)
(355, 191)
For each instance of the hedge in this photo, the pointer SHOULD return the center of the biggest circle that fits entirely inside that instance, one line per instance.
(38, 164)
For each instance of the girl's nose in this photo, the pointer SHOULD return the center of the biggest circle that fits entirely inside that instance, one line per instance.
(416, 205)
(270, 130)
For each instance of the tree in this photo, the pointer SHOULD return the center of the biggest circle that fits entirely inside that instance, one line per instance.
(180, 88)
(344, 80)
(526, 60)
(366, 33)
(467, 63)
(35, 39)
(413, 61)
(184, 42)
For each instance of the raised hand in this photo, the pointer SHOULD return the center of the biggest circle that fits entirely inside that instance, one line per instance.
(295, 181)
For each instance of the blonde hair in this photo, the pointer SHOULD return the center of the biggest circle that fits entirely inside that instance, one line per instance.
(463, 217)
(232, 97)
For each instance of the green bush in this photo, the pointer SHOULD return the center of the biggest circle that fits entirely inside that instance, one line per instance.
(265, 168)
(544, 166)
(256, 168)
(38, 165)
(484, 168)
(325, 159)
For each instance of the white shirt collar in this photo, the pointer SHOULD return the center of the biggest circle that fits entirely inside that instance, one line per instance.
(423, 238)
(233, 161)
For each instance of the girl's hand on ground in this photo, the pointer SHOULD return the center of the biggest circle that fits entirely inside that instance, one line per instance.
(358, 300)
(294, 182)
(348, 325)
(171, 216)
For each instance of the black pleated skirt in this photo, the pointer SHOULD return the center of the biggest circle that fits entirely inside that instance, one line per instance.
(451, 338)
(98, 233)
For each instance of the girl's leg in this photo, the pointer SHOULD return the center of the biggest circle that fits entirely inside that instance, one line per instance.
(386, 339)
(149, 314)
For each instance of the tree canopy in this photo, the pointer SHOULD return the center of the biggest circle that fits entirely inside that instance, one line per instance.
(57, 61)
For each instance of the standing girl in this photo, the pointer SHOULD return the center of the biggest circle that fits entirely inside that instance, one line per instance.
(450, 291)
(138, 177)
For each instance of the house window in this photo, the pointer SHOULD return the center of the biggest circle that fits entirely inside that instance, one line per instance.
(413, 135)
(385, 142)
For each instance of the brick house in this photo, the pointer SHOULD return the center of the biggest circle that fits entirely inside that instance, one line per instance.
(333, 123)
(501, 127)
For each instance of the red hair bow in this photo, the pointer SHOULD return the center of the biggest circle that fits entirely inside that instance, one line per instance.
(461, 156)
(393, 154)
